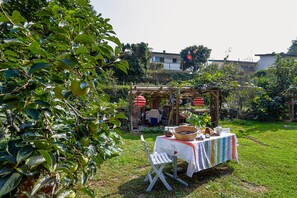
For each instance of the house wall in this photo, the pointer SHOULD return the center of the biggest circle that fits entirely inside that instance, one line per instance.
(265, 62)
(169, 60)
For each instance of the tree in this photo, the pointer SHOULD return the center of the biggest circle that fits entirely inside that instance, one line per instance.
(193, 57)
(57, 125)
(276, 82)
(137, 56)
(293, 48)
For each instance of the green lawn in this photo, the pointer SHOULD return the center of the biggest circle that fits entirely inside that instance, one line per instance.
(268, 167)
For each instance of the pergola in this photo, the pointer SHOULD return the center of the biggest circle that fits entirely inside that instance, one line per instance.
(179, 92)
(292, 108)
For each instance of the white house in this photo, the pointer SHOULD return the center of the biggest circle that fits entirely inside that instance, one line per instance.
(267, 60)
(171, 61)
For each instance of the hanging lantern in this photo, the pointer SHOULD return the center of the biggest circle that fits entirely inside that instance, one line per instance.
(198, 101)
(189, 57)
(139, 101)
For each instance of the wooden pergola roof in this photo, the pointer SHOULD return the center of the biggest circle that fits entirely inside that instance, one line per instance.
(190, 90)
(164, 91)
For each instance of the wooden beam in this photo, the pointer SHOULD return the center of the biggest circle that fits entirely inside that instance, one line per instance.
(131, 108)
(177, 108)
(293, 101)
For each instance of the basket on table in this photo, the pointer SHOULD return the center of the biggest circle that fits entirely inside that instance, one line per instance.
(185, 133)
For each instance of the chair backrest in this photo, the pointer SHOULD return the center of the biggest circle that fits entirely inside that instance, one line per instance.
(146, 149)
(154, 121)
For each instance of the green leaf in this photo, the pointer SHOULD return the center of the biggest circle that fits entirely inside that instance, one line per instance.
(63, 167)
(17, 17)
(24, 153)
(98, 159)
(84, 38)
(12, 147)
(63, 23)
(81, 50)
(3, 18)
(84, 177)
(24, 169)
(122, 65)
(36, 49)
(121, 116)
(12, 41)
(5, 171)
(46, 180)
(61, 147)
(11, 53)
(66, 194)
(38, 66)
(88, 191)
(114, 39)
(50, 159)
(35, 161)
(11, 73)
(42, 103)
(7, 184)
(33, 113)
(64, 63)
(91, 150)
(59, 136)
(8, 159)
(115, 121)
(104, 51)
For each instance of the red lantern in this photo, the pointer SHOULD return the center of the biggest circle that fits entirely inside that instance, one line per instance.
(139, 101)
(198, 101)
(189, 57)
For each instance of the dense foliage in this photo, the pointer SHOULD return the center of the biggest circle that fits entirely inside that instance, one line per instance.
(56, 124)
(137, 56)
(194, 57)
(293, 48)
(278, 83)
(236, 92)
(156, 66)
(165, 77)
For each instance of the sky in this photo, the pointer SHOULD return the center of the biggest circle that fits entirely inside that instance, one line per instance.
(238, 28)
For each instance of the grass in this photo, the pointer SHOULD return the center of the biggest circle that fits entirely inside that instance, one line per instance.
(267, 168)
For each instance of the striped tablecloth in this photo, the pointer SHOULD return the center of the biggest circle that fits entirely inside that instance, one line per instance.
(200, 155)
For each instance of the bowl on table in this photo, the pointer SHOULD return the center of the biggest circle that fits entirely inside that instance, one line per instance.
(185, 133)
(207, 130)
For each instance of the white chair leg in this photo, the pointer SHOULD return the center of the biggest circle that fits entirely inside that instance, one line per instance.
(149, 176)
(160, 175)
(165, 182)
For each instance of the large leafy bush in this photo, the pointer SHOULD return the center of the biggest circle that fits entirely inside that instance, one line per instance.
(278, 85)
(56, 125)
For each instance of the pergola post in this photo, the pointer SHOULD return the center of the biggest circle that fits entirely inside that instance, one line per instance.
(293, 103)
(214, 107)
(131, 108)
(177, 107)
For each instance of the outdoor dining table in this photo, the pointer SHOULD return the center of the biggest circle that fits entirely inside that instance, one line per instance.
(200, 154)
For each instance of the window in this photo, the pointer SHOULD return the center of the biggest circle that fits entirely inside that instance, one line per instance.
(174, 60)
(159, 59)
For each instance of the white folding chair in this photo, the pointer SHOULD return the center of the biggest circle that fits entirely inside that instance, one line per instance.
(157, 162)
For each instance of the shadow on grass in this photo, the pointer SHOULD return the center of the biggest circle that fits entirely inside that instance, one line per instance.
(136, 187)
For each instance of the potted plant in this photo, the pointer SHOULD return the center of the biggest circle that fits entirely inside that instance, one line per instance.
(199, 121)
